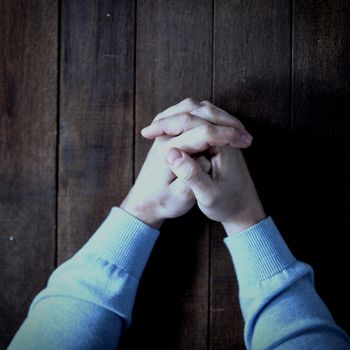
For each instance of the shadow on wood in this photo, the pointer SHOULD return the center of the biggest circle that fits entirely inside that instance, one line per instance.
(166, 283)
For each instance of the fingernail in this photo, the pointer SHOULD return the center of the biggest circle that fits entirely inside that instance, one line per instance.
(172, 156)
(247, 138)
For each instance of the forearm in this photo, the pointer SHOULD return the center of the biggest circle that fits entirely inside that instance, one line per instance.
(279, 303)
(89, 298)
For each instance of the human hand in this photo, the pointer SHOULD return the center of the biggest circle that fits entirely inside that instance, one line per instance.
(157, 193)
(227, 194)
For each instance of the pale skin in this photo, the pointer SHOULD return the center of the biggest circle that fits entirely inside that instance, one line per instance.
(174, 177)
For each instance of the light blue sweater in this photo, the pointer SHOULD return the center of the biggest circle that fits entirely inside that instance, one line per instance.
(89, 299)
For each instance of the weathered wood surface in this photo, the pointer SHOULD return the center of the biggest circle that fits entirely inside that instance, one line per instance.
(252, 81)
(28, 114)
(321, 147)
(96, 116)
(97, 71)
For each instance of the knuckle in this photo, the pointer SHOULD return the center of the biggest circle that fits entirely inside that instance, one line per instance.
(237, 123)
(204, 163)
(209, 109)
(206, 102)
(187, 118)
(190, 102)
(206, 166)
(157, 122)
(208, 130)
(157, 117)
(189, 173)
(232, 134)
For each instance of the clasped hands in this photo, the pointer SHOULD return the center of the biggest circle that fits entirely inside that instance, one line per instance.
(196, 157)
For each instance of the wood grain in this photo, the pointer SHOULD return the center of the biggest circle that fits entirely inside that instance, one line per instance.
(28, 100)
(100, 70)
(173, 61)
(96, 116)
(252, 81)
(321, 109)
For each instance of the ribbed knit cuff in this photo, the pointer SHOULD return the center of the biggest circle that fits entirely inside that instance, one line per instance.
(259, 252)
(124, 241)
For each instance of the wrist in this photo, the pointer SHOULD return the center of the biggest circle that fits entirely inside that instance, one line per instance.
(246, 219)
(144, 212)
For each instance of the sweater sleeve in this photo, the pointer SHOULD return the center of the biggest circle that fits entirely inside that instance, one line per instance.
(279, 303)
(89, 298)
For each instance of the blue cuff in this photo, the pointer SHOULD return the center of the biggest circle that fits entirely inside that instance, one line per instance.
(259, 252)
(124, 241)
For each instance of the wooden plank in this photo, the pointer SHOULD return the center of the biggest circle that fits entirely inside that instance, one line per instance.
(252, 81)
(321, 109)
(174, 61)
(96, 116)
(28, 100)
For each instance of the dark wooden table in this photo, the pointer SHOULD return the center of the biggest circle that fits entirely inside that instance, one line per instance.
(80, 78)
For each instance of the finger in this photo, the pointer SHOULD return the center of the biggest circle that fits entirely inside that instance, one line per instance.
(203, 137)
(173, 125)
(204, 163)
(176, 125)
(216, 115)
(190, 173)
(179, 188)
(185, 106)
(206, 111)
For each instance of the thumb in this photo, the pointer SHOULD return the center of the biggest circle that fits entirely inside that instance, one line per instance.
(191, 173)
